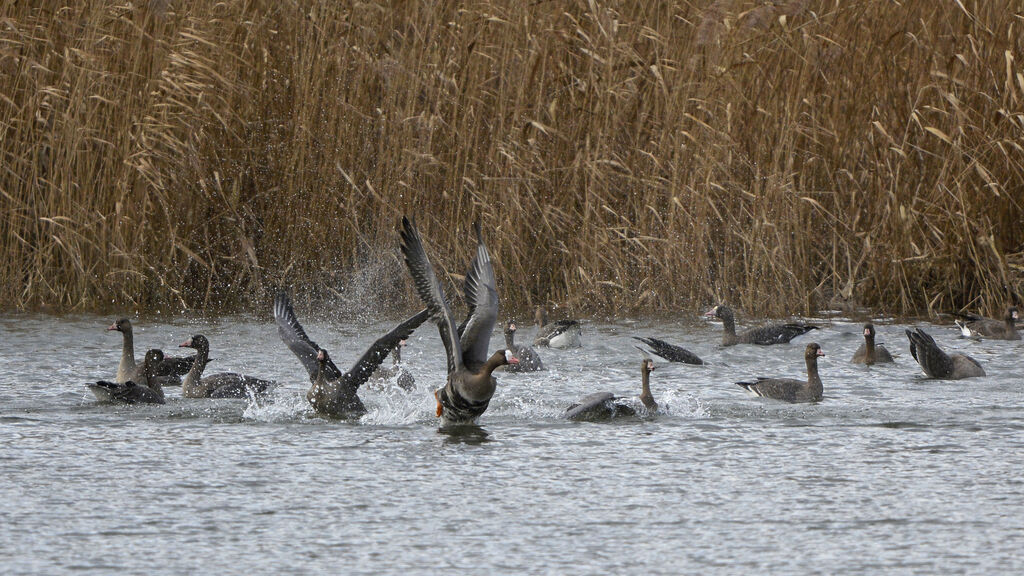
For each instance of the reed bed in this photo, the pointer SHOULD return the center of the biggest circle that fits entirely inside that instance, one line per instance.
(624, 157)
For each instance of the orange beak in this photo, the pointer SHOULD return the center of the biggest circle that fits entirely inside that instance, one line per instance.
(437, 396)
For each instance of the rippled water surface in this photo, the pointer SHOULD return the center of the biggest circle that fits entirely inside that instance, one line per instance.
(890, 473)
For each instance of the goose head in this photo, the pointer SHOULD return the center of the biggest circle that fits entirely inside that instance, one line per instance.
(199, 342)
(814, 351)
(121, 325)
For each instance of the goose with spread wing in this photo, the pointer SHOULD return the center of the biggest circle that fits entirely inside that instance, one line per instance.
(470, 383)
(764, 335)
(333, 393)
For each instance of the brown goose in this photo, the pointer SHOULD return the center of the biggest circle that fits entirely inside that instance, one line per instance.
(529, 360)
(146, 391)
(170, 368)
(789, 389)
(869, 353)
(557, 334)
(396, 371)
(221, 385)
(669, 352)
(605, 405)
(333, 393)
(470, 382)
(1004, 329)
(764, 336)
(938, 364)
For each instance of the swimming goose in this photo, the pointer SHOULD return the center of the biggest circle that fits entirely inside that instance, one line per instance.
(172, 368)
(146, 391)
(557, 334)
(605, 405)
(529, 360)
(869, 353)
(938, 364)
(979, 326)
(470, 384)
(764, 336)
(669, 352)
(220, 385)
(396, 371)
(789, 389)
(333, 393)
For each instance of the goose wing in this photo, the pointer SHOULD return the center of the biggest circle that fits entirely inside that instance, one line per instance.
(670, 352)
(378, 351)
(298, 342)
(431, 293)
(482, 298)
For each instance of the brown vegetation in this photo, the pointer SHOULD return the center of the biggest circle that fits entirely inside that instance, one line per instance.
(636, 155)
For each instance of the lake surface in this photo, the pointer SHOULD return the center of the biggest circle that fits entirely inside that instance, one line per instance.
(891, 473)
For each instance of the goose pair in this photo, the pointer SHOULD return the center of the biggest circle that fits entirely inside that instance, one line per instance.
(470, 384)
(169, 370)
(333, 393)
(146, 388)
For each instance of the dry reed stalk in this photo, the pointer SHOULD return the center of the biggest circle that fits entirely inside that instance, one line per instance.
(624, 156)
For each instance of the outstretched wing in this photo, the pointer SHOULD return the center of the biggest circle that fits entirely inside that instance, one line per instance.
(379, 350)
(482, 298)
(430, 292)
(295, 338)
(670, 352)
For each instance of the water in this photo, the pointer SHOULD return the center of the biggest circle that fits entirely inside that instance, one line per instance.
(890, 473)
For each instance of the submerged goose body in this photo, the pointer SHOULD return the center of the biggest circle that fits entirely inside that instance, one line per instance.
(790, 389)
(869, 353)
(221, 385)
(529, 360)
(334, 393)
(470, 383)
(147, 390)
(670, 352)
(981, 327)
(605, 405)
(396, 372)
(557, 334)
(763, 336)
(936, 363)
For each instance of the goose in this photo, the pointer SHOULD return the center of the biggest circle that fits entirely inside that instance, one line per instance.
(557, 334)
(221, 385)
(991, 328)
(396, 371)
(470, 384)
(335, 394)
(669, 352)
(790, 389)
(171, 368)
(764, 336)
(605, 405)
(938, 364)
(529, 360)
(869, 353)
(146, 391)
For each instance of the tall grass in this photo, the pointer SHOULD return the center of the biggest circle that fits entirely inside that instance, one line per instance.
(632, 156)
